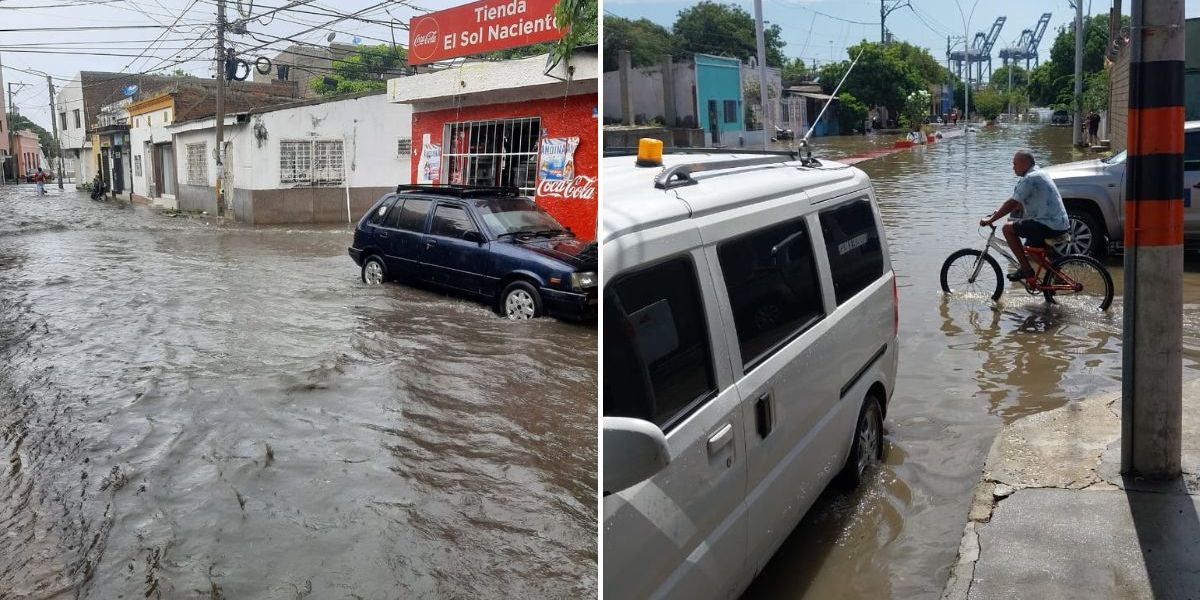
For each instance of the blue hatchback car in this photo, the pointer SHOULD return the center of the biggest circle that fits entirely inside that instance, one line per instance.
(488, 242)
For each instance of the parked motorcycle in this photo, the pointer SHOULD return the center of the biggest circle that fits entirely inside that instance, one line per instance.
(98, 188)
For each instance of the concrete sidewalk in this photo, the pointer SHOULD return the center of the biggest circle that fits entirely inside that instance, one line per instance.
(1053, 518)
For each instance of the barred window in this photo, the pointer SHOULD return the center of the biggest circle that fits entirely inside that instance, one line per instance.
(404, 147)
(312, 162)
(137, 165)
(197, 164)
(295, 162)
(328, 162)
(493, 153)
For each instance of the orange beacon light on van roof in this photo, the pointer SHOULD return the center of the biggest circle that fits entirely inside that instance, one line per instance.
(650, 152)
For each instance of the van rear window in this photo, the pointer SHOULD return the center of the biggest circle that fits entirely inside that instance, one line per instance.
(657, 360)
(852, 242)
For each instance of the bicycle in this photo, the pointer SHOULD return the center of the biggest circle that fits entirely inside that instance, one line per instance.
(1075, 279)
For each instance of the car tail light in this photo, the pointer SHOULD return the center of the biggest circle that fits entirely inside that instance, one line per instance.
(895, 307)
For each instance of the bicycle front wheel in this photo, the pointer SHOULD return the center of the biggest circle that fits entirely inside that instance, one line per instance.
(964, 275)
(1095, 283)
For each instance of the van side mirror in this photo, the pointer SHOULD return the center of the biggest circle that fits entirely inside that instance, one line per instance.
(634, 451)
(474, 236)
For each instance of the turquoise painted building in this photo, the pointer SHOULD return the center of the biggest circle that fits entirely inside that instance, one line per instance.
(719, 96)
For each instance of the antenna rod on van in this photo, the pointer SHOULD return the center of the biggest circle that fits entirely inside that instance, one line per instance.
(804, 140)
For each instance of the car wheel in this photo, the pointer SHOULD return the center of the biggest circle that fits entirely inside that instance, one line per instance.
(867, 448)
(520, 301)
(1087, 236)
(373, 271)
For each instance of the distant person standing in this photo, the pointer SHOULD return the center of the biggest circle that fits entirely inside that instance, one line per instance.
(39, 179)
(1093, 123)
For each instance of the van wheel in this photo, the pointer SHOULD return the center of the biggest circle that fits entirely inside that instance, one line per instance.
(520, 301)
(373, 271)
(867, 448)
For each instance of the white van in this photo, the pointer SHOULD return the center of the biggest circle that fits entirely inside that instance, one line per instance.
(750, 318)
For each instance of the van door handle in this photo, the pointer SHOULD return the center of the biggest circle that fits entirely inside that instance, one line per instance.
(723, 437)
(764, 416)
(430, 243)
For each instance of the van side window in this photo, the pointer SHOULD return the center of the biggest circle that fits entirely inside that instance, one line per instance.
(852, 242)
(657, 360)
(773, 287)
(412, 216)
(381, 213)
(1191, 151)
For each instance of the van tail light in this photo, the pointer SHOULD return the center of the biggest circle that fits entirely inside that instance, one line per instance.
(895, 307)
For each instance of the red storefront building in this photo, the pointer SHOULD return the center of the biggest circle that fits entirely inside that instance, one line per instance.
(525, 123)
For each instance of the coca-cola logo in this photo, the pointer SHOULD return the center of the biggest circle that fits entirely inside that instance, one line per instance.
(581, 187)
(424, 38)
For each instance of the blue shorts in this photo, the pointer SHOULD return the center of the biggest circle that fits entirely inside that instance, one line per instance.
(1035, 232)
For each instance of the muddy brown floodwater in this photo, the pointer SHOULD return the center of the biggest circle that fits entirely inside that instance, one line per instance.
(222, 412)
(965, 370)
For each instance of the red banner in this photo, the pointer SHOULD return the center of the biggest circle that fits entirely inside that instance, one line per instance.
(484, 26)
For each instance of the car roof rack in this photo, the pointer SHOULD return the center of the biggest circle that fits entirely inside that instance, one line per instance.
(681, 175)
(461, 191)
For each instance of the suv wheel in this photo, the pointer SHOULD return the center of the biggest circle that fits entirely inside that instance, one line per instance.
(520, 301)
(867, 448)
(373, 271)
(1087, 237)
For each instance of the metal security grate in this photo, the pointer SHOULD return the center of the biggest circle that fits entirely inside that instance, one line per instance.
(328, 162)
(500, 153)
(197, 164)
(311, 162)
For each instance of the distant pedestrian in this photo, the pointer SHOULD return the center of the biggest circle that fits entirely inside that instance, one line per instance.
(1093, 123)
(39, 179)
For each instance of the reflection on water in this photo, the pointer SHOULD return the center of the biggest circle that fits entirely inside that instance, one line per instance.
(966, 367)
(227, 412)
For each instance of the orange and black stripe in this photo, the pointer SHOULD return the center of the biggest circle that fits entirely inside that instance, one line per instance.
(1154, 201)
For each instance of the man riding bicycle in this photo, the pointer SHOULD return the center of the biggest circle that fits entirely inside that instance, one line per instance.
(1042, 213)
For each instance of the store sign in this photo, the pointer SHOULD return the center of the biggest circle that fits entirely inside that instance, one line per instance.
(484, 26)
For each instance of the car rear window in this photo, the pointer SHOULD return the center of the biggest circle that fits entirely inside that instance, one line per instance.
(412, 216)
(852, 242)
(379, 214)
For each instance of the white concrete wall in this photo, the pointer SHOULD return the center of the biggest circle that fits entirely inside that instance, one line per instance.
(149, 128)
(750, 77)
(648, 94)
(68, 99)
(369, 128)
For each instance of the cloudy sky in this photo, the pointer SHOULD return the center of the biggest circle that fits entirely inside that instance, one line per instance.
(133, 36)
(822, 29)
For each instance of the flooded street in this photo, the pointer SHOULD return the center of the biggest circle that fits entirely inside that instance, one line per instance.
(189, 410)
(966, 368)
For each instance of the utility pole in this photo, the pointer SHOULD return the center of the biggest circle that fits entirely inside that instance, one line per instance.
(57, 140)
(884, 12)
(1077, 129)
(1151, 359)
(763, 88)
(220, 149)
(4, 119)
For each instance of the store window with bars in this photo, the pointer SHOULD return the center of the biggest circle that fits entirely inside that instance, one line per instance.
(502, 152)
(137, 165)
(197, 164)
(311, 162)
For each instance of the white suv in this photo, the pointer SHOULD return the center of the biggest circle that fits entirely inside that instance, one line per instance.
(750, 318)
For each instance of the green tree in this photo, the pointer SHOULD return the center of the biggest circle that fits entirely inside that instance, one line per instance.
(363, 71)
(850, 113)
(999, 79)
(794, 71)
(646, 41)
(1056, 83)
(1095, 91)
(988, 103)
(17, 122)
(922, 63)
(725, 30)
(881, 78)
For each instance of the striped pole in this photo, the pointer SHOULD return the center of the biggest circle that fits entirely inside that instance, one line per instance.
(1151, 382)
